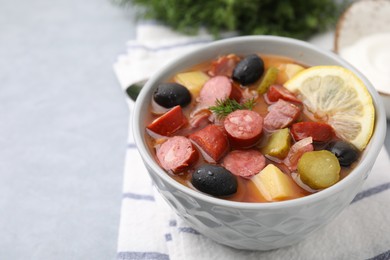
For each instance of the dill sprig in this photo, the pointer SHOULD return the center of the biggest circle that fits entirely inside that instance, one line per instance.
(224, 107)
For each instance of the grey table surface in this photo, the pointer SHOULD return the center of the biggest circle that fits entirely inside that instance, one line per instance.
(63, 127)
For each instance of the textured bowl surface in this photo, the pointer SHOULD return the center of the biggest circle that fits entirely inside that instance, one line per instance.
(256, 226)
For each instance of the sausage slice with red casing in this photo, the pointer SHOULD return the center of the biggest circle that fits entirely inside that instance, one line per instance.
(169, 122)
(244, 128)
(212, 142)
(224, 65)
(218, 87)
(176, 154)
(276, 92)
(280, 115)
(244, 163)
(320, 132)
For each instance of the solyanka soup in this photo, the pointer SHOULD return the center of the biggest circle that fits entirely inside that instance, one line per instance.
(259, 128)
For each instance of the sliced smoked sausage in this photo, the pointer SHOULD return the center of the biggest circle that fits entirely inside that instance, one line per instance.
(176, 154)
(244, 128)
(320, 132)
(168, 123)
(212, 142)
(244, 163)
(224, 65)
(280, 115)
(218, 87)
(276, 92)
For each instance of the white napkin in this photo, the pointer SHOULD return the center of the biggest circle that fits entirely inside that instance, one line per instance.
(150, 230)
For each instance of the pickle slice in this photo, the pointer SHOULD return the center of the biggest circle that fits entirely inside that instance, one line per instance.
(269, 78)
(278, 144)
(319, 169)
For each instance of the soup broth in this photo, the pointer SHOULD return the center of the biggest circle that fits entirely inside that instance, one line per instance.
(194, 117)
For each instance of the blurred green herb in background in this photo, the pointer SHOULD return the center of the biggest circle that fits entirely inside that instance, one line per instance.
(298, 19)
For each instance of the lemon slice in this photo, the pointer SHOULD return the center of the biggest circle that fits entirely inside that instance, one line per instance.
(335, 95)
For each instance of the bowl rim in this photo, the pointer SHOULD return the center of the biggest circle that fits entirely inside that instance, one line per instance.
(375, 143)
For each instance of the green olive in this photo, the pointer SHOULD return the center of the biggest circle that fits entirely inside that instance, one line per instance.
(319, 169)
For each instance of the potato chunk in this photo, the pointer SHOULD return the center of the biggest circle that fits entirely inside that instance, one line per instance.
(273, 184)
(193, 80)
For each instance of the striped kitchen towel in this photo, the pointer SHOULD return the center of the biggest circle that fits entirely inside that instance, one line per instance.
(150, 230)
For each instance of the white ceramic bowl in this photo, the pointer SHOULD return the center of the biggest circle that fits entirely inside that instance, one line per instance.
(256, 226)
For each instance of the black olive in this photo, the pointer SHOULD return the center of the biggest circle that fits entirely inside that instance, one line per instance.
(214, 180)
(249, 70)
(172, 94)
(345, 152)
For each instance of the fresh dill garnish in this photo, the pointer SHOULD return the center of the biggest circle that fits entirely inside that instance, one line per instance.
(224, 107)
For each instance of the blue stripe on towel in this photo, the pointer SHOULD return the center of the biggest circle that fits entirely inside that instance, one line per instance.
(172, 223)
(131, 146)
(188, 230)
(167, 47)
(129, 195)
(142, 256)
(371, 191)
(168, 237)
(383, 256)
